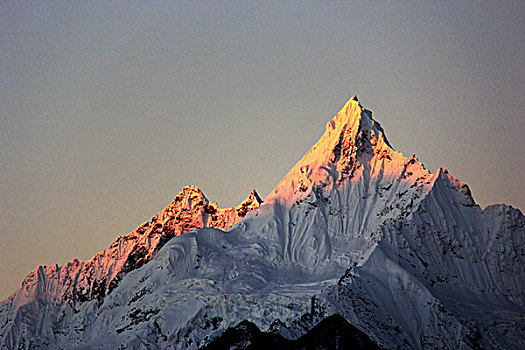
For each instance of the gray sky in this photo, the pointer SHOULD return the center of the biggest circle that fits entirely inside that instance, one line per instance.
(108, 109)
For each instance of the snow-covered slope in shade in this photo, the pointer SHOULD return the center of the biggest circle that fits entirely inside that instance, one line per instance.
(441, 279)
(353, 207)
(80, 281)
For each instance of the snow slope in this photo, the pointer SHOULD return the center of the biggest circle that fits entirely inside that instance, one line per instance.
(442, 279)
(404, 254)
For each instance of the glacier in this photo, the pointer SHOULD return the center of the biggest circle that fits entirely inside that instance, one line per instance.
(355, 228)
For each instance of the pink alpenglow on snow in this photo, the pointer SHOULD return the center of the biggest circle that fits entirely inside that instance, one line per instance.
(79, 281)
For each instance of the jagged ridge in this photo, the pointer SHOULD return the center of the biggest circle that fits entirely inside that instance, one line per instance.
(79, 281)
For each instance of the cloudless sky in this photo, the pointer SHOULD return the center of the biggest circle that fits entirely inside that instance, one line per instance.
(107, 109)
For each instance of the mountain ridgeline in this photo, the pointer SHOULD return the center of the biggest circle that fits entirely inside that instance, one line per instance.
(355, 235)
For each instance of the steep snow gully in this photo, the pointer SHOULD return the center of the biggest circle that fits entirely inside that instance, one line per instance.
(355, 228)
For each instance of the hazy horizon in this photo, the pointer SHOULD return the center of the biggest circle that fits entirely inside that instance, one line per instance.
(108, 109)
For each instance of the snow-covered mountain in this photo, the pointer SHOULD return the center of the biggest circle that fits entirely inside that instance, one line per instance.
(79, 281)
(354, 228)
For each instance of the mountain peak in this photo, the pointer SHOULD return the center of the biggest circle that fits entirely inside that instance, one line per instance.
(352, 138)
(354, 133)
(188, 189)
(254, 197)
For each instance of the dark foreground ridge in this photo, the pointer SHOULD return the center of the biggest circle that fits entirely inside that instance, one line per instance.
(334, 332)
